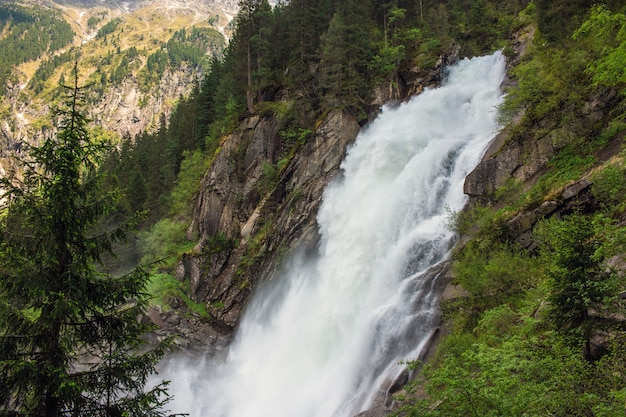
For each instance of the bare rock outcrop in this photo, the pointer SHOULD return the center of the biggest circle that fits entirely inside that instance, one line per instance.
(244, 220)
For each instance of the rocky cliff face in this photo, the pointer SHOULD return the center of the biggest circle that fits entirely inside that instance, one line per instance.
(126, 110)
(523, 161)
(246, 222)
(244, 230)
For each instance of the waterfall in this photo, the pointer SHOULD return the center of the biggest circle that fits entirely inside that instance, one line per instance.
(327, 335)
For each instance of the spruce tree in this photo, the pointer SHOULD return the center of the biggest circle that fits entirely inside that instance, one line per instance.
(346, 56)
(243, 43)
(57, 307)
(579, 280)
(305, 21)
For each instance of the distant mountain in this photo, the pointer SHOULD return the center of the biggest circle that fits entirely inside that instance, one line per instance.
(138, 55)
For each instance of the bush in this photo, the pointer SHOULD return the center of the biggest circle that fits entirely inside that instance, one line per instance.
(165, 242)
(609, 187)
(192, 169)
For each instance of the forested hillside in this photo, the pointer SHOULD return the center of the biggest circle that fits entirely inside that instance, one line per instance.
(138, 60)
(27, 34)
(534, 313)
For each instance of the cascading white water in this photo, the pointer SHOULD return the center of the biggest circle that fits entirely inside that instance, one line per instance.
(322, 340)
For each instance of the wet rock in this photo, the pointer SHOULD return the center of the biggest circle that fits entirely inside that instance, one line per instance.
(376, 411)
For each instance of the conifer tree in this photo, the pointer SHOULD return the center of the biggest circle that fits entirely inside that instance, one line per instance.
(262, 48)
(305, 20)
(346, 55)
(580, 283)
(243, 40)
(56, 304)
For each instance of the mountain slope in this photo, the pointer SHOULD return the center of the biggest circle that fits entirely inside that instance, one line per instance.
(116, 45)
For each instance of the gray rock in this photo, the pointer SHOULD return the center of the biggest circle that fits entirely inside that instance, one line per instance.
(575, 189)
(230, 204)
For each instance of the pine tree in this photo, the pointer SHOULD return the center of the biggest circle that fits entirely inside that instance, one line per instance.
(252, 48)
(305, 20)
(580, 283)
(346, 54)
(243, 42)
(262, 49)
(56, 305)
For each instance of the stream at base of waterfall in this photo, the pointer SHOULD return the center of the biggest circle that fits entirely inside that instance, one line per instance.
(324, 337)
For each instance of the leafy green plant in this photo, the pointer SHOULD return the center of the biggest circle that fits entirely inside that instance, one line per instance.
(605, 33)
(269, 178)
(579, 282)
(164, 289)
(165, 242)
(609, 187)
(192, 169)
(495, 276)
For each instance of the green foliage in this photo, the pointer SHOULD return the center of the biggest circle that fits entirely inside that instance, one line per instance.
(609, 188)
(28, 33)
(269, 178)
(55, 304)
(192, 47)
(557, 19)
(273, 108)
(108, 28)
(501, 274)
(219, 243)
(192, 169)
(255, 250)
(579, 282)
(503, 356)
(162, 288)
(165, 289)
(299, 27)
(251, 48)
(165, 242)
(154, 69)
(605, 34)
(94, 20)
(346, 55)
(47, 68)
(546, 86)
(520, 376)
